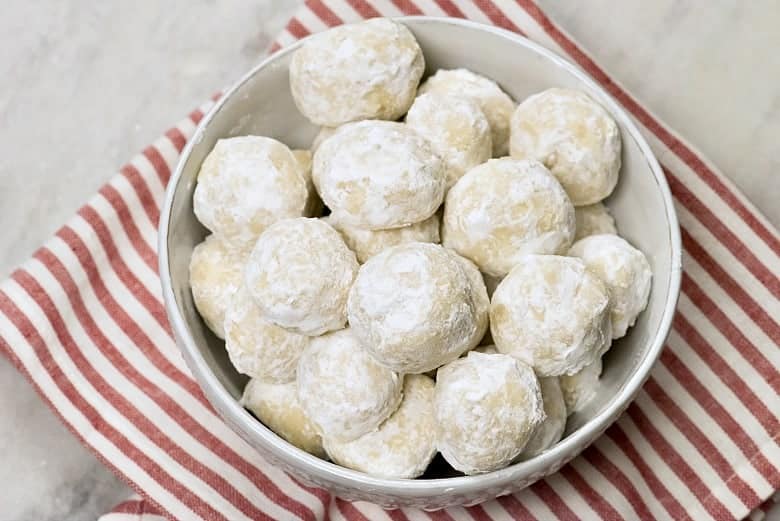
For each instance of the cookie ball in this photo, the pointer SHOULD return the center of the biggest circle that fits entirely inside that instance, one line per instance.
(257, 347)
(580, 388)
(277, 406)
(412, 307)
(575, 137)
(593, 219)
(624, 270)
(550, 431)
(367, 70)
(494, 102)
(479, 297)
(299, 274)
(246, 184)
(342, 389)
(487, 408)
(404, 444)
(367, 243)
(215, 274)
(456, 128)
(379, 174)
(552, 313)
(504, 209)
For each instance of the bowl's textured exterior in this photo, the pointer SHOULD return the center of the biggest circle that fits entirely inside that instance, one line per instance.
(261, 103)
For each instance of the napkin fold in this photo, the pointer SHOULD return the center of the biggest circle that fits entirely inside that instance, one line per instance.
(84, 321)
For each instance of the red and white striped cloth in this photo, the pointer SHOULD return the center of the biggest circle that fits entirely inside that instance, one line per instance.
(84, 321)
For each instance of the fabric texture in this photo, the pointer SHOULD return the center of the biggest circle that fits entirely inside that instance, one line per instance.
(84, 321)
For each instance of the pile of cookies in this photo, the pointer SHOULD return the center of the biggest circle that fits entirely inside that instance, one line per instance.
(438, 273)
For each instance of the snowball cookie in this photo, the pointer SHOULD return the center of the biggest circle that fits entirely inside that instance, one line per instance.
(487, 408)
(493, 101)
(215, 274)
(257, 347)
(457, 129)
(277, 406)
(379, 174)
(479, 296)
(551, 313)
(624, 270)
(299, 274)
(593, 219)
(314, 205)
(580, 388)
(367, 243)
(551, 429)
(412, 306)
(344, 391)
(503, 209)
(247, 183)
(574, 137)
(404, 444)
(367, 70)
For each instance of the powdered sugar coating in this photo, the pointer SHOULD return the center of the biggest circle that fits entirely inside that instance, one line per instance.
(494, 102)
(551, 313)
(404, 444)
(412, 307)
(257, 347)
(299, 274)
(479, 297)
(247, 183)
(314, 203)
(580, 388)
(575, 137)
(593, 219)
(624, 270)
(342, 389)
(457, 128)
(367, 70)
(379, 174)
(504, 209)
(551, 429)
(277, 406)
(367, 243)
(215, 274)
(487, 407)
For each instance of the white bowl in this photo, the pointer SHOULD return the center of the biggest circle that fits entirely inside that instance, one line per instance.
(261, 103)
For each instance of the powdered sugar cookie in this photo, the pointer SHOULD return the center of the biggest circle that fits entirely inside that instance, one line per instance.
(479, 297)
(551, 429)
(299, 274)
(367, 70)
(580, 388)
(504, 209)
(379, 174)
(593, 219)
(551, 313)
(404, 445)
(575, 137)
(342, 389)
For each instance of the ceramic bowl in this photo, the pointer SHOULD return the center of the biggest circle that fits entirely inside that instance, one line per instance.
(261, 103)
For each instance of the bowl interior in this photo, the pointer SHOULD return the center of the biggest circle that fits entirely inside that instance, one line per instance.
(262, 104)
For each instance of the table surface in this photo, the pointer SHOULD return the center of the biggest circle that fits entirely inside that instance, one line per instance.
(93, 82)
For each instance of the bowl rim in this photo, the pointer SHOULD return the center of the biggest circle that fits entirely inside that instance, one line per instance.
(566, 449)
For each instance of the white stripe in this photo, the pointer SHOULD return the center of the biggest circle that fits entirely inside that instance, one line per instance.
(149, 174)
(429, 7)
(285, 39)
(371, 511)
(310, 20)
(534, 504)
(472, 12)
(147, 232)
(604, 488)
(169, 153)
(343, 11)
(570, 496)
(496, 511)
(459, 514)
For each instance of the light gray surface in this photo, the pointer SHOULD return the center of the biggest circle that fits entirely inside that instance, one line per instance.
(85, 85)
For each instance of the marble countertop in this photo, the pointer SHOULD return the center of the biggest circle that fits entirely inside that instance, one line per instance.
(87, 84)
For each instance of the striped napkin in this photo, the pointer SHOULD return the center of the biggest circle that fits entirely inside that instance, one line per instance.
(84, 321)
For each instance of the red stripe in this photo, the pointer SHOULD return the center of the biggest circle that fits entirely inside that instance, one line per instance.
(450, 8)
(552, 500)
(478, 513)
(137, 507)
(724, 235)
(673, 143)
(196, 115)
(594, 499)
(397, 515)
(274, 47)
(515, 508)
(119, 440)
(319, 493)
(726, 422)
(497, 16)
(159, 164)
(349, 511)
(365, 9)
(143, 192)
(703, 445)
(662, 494)
(757, 313)
(407, 7)
(177, 138)
(676, 462)
(296, 28)
(439, 515)
(217, 482)
(617, 479)
(726, 373)
(147, 254)
(324, 13)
